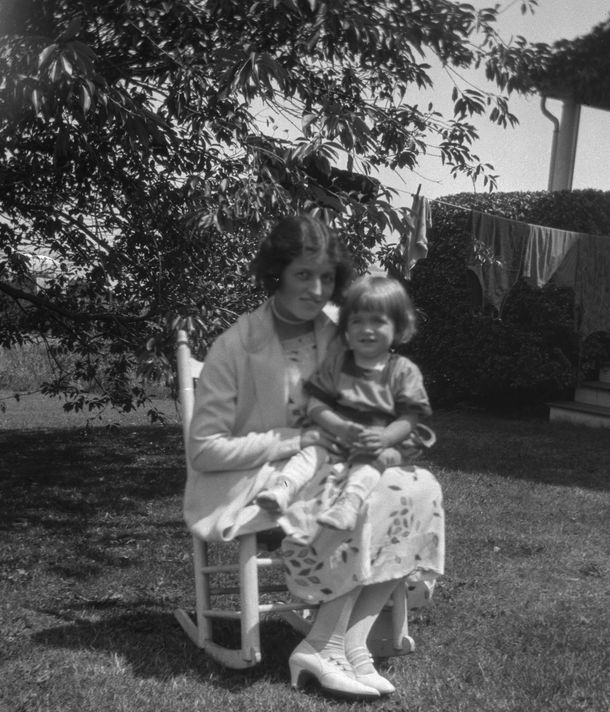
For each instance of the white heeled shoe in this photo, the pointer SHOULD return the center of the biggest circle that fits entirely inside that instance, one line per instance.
(361, 658)
(376, 681)
(334, 674)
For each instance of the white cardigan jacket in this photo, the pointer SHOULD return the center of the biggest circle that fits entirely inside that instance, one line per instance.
(240, 426)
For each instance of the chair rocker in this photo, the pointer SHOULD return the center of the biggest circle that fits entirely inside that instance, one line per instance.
(388, 637)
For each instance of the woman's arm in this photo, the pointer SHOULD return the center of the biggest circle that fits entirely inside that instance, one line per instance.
(213, 444)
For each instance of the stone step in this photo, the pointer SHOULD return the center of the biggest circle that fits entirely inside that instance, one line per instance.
(604, 373)
(580, 414)
(593, 393)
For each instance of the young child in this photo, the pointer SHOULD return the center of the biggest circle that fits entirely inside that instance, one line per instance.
(367, 397)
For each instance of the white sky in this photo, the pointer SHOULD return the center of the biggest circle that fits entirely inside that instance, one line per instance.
(521, 155)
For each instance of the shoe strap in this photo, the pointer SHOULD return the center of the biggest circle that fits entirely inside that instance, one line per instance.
(338, 660)
(359, 656)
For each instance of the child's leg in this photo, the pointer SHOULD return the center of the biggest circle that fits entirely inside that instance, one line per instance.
(296, 473)
(361, 480)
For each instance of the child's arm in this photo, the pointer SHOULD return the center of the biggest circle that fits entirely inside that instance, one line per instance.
(399, 429)
(346, 431)
(373, 440)
(411, 402)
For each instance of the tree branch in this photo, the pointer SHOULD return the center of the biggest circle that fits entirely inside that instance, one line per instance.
(51, 307)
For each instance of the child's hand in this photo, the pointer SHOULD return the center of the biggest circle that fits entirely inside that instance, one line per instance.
(345, 437)
(371, 441)
(352, 433)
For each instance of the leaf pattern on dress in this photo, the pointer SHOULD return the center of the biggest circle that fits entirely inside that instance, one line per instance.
(383, 544)
(330, 565)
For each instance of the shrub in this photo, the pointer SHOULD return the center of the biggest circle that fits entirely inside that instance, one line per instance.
(531, 352)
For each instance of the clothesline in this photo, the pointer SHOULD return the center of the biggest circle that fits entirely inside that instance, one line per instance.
(431, 200)
(451, 205)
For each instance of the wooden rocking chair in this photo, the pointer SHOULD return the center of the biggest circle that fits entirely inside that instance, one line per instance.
(388, 637)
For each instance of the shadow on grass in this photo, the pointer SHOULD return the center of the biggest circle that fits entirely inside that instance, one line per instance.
(522, 449)
(153, 645)
(76, 474)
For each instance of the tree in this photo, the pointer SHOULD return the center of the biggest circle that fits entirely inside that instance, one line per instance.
(144, 151)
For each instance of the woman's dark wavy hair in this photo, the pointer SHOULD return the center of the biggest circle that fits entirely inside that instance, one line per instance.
(293, 237)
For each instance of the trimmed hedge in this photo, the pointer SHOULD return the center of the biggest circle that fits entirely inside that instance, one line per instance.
(532, 353)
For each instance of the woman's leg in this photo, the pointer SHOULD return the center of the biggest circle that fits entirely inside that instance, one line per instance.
(371, 599)
(365, 611)
(328, 631)
(322, 653)
(335, 648)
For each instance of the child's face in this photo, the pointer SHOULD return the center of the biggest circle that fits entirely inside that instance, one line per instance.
(370, 334)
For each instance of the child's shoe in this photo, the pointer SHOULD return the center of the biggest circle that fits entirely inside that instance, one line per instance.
(343, 514)
(277, 498)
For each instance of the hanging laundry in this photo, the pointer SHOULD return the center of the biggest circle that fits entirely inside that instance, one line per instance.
(414, 245)
(498, 258)
(545, 250)
(592, 285)
(565, 274)
(508, 250)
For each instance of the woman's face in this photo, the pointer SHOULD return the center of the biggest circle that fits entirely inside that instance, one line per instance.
(306, 284)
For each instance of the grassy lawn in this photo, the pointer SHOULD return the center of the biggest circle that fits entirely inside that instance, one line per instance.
(94, 559)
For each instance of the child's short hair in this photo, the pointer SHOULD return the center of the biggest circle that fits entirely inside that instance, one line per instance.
(384, 294)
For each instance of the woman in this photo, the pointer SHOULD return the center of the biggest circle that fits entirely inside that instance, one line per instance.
(247, 421)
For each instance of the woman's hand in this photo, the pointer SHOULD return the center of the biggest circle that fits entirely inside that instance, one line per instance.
(317, 436)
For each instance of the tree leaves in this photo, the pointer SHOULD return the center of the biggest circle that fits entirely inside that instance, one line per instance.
(149, 145)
